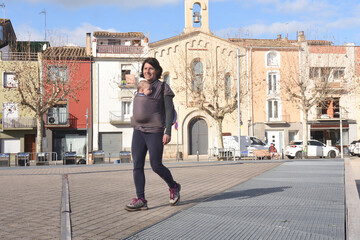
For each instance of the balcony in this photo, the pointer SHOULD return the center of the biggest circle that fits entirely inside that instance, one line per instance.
(19, 123)
(120, 49)
(282, 120)
(118, 118)
(18, 56)
(329, 117)
(128, 81)
(58, 120)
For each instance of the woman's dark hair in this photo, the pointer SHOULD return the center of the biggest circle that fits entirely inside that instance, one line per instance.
(155, 63)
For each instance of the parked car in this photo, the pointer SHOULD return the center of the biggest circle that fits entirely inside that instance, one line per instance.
(353, 150)
(315, 149)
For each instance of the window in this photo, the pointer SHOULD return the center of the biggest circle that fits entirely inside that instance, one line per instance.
(59, 73)
(167, 78)
(273, 83)
(10, 114)
(338, 74)
(329, 109)
(10, 80)
(333, 74)
(126, 110)
(197, 79)
(315, 143)
(273, 109)
(256, 141)
(272, 59)
(10, 110)
(227, 86)
(127, 79)
(317, 72)
(113, 42)
(58, 114)
(292, 135)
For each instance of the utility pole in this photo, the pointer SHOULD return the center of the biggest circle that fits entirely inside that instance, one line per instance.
(238, 99)
(87, 136)
(341, 135)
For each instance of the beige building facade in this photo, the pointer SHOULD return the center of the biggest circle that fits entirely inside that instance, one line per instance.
(199, 56)
(267, 67)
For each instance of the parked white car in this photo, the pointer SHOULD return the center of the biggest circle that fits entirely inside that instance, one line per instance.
(315, 149)
(354, 148)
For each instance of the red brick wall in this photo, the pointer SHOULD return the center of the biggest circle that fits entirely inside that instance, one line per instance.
(328, 49)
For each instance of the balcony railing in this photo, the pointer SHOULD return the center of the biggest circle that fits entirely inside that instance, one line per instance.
(18, 56)
(334, 116)
(119, 49)
(117, 117)
(282, 118)
(19, 122)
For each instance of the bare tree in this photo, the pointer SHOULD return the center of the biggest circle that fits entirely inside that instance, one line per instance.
(210, 87)
(315, 84)
(44, 83)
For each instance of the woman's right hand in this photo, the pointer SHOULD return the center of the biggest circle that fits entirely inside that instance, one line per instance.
(166, 139)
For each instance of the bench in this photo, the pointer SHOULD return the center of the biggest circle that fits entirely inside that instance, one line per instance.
(261, 154)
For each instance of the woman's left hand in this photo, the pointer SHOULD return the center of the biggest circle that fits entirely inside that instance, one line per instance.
(166, 139)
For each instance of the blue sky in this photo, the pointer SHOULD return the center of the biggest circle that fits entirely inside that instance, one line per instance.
(67, 21)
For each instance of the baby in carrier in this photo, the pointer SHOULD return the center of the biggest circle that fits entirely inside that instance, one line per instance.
(148, 111)
(144, 88)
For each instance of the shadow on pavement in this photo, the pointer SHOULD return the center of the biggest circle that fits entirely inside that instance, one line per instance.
(245, 194)
(250, 193)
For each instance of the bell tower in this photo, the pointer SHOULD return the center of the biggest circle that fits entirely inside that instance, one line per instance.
(197, 16)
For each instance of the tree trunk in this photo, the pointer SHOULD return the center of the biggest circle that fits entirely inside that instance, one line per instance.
(219, 133)
(305, 133)
(39, 133)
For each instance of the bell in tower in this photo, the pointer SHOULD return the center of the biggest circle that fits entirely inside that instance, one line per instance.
(197, 16)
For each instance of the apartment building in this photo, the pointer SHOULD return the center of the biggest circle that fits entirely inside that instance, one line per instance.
(67, 120)
(17, 122)
(117, 59)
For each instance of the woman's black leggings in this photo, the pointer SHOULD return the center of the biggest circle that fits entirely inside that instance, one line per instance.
(141, 143)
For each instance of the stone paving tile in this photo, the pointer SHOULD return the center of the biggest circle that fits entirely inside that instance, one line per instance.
(30, 207)
(98, 198)
(30, 197)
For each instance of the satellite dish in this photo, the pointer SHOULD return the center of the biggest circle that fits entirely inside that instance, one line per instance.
(44, 47)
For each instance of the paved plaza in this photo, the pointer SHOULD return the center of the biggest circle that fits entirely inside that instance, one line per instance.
(219, 200)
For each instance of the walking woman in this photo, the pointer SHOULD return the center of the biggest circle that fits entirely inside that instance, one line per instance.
(152, 122)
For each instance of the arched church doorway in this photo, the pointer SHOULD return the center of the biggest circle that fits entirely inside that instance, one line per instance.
(198, 137)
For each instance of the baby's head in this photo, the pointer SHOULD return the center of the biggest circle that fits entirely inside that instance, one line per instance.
(144, 87)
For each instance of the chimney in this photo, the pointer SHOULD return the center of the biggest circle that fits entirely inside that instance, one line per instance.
(278, 37)
(301, 37)
(88, 44)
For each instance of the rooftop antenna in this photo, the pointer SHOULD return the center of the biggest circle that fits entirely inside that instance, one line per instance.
(44, 12)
